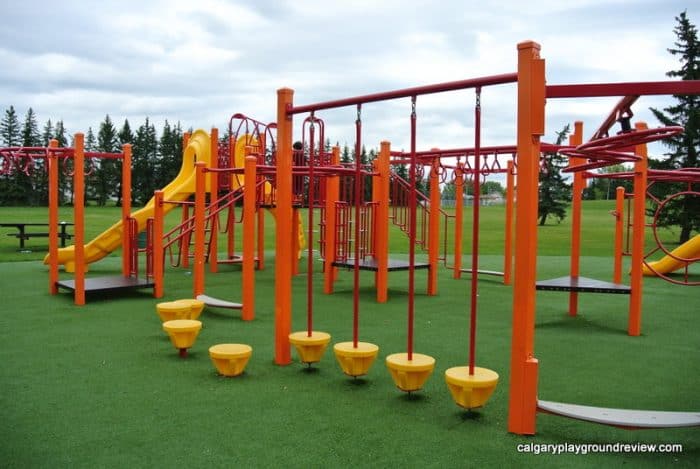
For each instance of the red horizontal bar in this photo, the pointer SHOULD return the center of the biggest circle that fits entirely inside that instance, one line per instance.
(623, 89)
(408, 92)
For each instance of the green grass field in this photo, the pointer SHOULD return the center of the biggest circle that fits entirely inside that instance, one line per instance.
(101, 385)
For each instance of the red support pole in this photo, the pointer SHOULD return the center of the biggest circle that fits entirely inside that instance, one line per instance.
(619, 230)
(459, 220)
(79, 217)
(248, 265)
(356, 242)
(475, 231)
(577, 195)
(508, 241)
(434, 228)
(213, 251)
(310, 241)
(52, 162)
(158, 252)
(411, 233)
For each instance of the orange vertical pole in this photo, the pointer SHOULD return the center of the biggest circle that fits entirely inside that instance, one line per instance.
(185, 241)
(79, 217)
(381, 253)
(434, 228)
(283, 264)
(261, 239)
(459, 220)
(332, 194)
(522, 405)
(295, 248)
(619, 231)
(126, 207)
(213, 254)
(634, 323)
(508, 241)
(158, 253)
(52, 163)
(199, 232)
(577, 194)
(248, 267)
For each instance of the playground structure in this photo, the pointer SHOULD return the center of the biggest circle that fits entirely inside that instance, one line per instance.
(281, 166)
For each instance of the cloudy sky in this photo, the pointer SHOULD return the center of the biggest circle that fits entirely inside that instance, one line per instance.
(200, 61)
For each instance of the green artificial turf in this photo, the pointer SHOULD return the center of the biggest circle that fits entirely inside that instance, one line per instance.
(101, 385)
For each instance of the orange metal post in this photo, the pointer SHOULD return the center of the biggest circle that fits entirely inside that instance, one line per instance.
(619, 232)
(53, 218)
(381, 226)
(283, 264)
(158, 253)
(199, 232)
(126, 207)
(79, 217)
(249, 196)
(434, 228)
(577, 195)
(261, 239)
(295, 247)
(332, 194)
(634, 324)
(522, 406)
(508, 241)
(459, 220)
(213, 254)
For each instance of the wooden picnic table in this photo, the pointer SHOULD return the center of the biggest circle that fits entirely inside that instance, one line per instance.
(22, 233)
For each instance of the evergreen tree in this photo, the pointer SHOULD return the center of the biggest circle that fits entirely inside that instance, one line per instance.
(65, 182)
(90, 140)
(47, 134)
(34, 184)
(60, 134)
(30, 130)
(107, 175)
(170, 154)
(125, 136)
(10, 132)
(684, 148)
(144, 162)
(555, 192)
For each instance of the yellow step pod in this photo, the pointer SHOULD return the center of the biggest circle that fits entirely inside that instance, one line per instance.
(230, 359)
(182, 333)
(196, 307)
(355, 361)
(170, 310)
(310, 347)
(410, 375)
(471, 391)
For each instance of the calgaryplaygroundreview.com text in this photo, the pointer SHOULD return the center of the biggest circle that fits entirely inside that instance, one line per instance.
(587, 448)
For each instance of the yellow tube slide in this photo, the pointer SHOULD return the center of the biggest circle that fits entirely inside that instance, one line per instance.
(687, 250)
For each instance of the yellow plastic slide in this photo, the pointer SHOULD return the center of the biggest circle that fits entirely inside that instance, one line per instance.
(688, 250)
(198, 149)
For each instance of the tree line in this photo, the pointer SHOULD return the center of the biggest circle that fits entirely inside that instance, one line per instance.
(156, 159)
